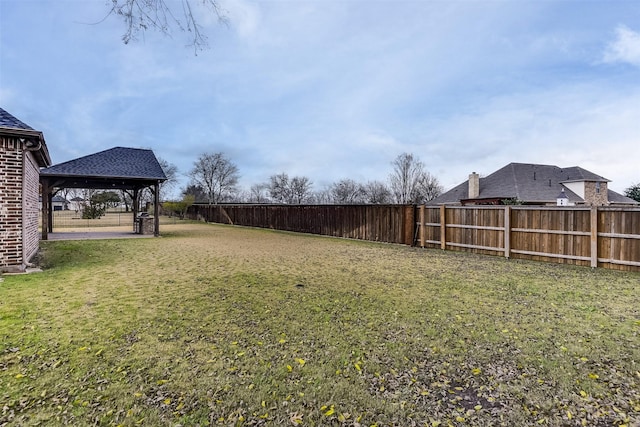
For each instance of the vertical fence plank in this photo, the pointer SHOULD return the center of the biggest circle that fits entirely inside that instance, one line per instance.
(507, 231)
(594, 237)
(443, 228)
(409, 224)
(422, 226)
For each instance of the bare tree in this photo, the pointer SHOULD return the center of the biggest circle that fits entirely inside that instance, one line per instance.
(406, 171)
(427, 188)
(410, 182)
(284, 190)
(347, 191)
(164, 15)
(126, 199)
(217, 176)
(196, 191)
(279, 188)
(300, 189)
(171, 172)
(321, 197)
(377, 192)
(258, 193)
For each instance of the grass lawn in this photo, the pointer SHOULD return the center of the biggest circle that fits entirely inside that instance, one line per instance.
(219, 325)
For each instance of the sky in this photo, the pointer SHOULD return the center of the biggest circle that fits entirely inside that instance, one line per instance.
(335, 89)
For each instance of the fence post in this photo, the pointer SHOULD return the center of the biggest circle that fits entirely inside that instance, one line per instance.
(443, 228)
(422, 226)
(507, 231)
(409, 224)
(594, 237)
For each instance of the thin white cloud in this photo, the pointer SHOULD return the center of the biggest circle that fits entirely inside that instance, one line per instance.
(243, 16)
(625, 48)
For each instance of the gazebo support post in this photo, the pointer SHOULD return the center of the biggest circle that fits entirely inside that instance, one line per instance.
(156, 209)
(50, 210)
(134, 198)
(46, 189)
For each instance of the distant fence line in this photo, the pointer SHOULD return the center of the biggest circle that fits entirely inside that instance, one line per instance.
(589, 236)
(379, 223)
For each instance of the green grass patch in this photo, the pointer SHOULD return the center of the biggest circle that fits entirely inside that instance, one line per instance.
(219, 325)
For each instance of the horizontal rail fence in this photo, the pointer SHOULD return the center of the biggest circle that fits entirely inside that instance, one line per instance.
(70, 219)
(379, 223)
(591, 236)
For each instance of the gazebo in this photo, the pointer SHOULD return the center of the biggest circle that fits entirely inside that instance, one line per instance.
(119, 168)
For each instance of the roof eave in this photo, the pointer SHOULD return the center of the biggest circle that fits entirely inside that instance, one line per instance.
(585, 180)
(105, 177)
(483, 199)
(6, 130)
(41, 152)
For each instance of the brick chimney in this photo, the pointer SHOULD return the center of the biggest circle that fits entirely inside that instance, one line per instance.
(474, 185)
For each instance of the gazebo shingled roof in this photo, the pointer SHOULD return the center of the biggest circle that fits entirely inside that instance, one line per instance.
(110, 166)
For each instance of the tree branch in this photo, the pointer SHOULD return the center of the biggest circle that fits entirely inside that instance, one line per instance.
(141, 15)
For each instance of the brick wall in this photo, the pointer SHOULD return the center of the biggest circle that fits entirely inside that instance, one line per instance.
(594, 196)
(11, 256)
(30, 206)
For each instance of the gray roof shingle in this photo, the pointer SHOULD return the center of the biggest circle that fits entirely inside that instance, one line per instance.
(9, 121)
(118, 162)
(12, 127)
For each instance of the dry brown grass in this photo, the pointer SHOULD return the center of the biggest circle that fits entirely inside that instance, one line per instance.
(223, 325)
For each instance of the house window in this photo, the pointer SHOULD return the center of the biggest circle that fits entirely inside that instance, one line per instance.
(597, 188)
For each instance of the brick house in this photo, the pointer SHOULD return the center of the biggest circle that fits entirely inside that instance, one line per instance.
(534, 184)
(23, 152)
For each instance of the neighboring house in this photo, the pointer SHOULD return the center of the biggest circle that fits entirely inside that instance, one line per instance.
(59, 203)
(77, 204)
(532, 184)
(22, 152)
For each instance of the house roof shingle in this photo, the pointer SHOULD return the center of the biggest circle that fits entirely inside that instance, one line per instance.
(9, 121)
(13, 127)
(528, 182)
(118, 162)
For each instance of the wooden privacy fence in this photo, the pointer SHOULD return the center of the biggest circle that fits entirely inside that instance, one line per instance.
(590, 236)
(379, 223)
